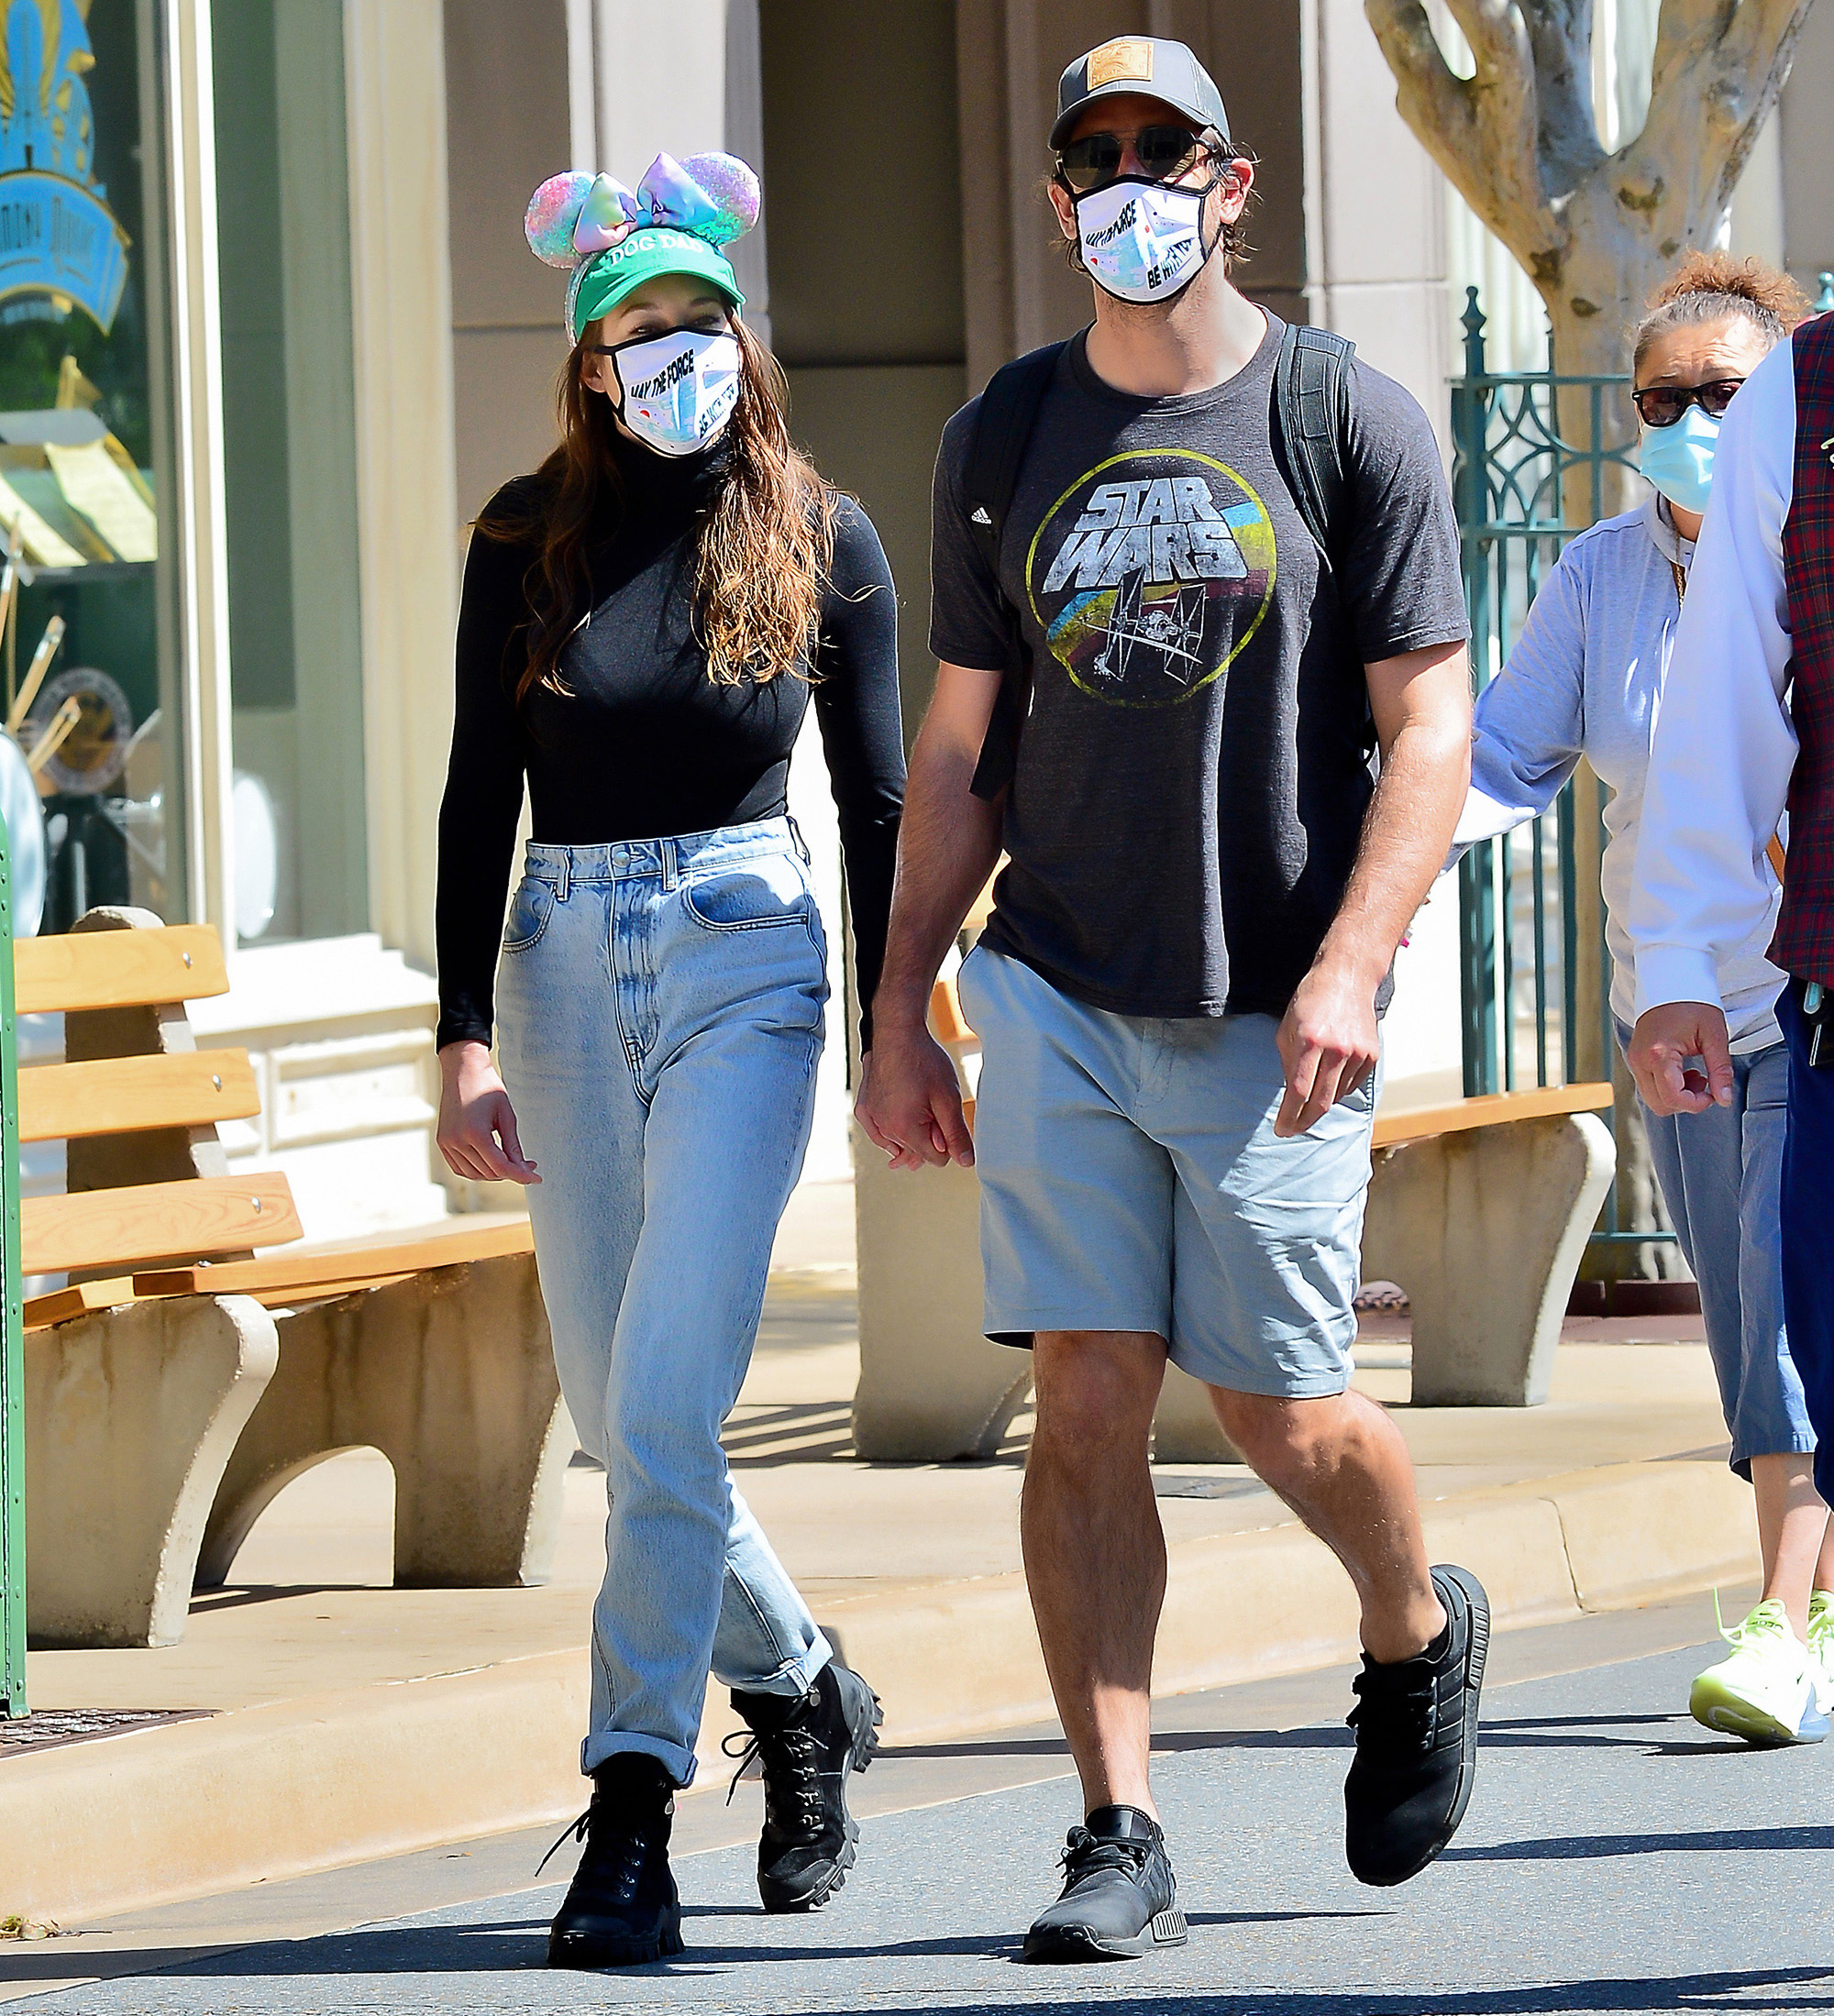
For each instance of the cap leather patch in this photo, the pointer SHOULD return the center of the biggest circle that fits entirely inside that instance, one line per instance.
(1127, 58)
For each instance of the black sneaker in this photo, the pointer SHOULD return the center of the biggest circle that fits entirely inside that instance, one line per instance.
(1120, 1895)
(621, 1908)
(808, 1743)
(1416, 1723)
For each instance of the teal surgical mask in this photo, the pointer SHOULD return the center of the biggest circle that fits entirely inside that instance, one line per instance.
(1679, 459)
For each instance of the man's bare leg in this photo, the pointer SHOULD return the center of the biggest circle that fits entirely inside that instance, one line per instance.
(1342, 1465)
(1095, 1552)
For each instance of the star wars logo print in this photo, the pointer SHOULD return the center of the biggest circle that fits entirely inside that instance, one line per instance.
(1150, 573)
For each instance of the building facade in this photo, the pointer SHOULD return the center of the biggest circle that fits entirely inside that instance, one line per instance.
(270, 339)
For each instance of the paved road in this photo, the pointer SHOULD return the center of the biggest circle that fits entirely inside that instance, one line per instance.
(1616, 1857)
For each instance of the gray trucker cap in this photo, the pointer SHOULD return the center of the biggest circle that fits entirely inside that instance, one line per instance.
(1143, 64)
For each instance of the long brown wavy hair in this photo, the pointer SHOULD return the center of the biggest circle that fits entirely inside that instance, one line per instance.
(763, 552)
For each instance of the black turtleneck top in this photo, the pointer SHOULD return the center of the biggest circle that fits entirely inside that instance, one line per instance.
(644, 744)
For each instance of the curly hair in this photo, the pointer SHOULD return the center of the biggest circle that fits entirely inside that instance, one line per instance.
(763, 554)
(1710, 286)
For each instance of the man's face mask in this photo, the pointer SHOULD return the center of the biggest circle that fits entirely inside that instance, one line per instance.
(679, 390)
(1143, 240)
(1678, 460)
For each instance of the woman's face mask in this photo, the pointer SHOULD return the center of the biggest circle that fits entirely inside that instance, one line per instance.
(679, 390)
(1143, 240)
(1679, 459)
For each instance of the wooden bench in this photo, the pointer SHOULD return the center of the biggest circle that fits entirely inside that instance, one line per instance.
(179, 1382)
(1479, 1209)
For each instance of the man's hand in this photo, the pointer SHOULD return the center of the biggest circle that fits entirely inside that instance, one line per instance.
(477, 1124)
(1662, 1041)
(910, 1104)
(1328, 1042)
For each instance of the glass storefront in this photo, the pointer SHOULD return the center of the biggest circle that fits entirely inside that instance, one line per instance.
(90, 691)
(289, 468)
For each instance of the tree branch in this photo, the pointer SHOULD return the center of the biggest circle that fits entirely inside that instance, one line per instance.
(1718, 69)
(1560, 35)
(1480, 130)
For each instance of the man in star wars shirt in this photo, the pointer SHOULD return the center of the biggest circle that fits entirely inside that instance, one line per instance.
(1178, 992)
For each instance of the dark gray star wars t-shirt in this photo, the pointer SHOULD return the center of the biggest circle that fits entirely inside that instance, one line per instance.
(1193, 774)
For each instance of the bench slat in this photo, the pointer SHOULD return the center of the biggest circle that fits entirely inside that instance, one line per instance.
(1489, 1110)
(153, 1220)
(127, 1095)
(79, 970)
(369, 1261)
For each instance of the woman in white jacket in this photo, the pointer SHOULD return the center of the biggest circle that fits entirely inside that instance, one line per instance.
(1585, 678)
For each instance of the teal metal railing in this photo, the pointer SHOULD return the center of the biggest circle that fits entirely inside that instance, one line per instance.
(1522, 488)
(12, 1348)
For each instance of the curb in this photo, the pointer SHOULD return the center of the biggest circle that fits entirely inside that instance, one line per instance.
(292, 1787)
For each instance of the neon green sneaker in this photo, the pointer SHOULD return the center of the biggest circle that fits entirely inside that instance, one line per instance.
(1765, 1691)
(1821, 1649)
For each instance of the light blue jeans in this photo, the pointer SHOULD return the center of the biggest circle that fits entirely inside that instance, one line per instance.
(660, 1008)
(1721, 1177)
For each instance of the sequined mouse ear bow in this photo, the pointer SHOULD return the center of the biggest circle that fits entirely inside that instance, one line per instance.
(573, 216)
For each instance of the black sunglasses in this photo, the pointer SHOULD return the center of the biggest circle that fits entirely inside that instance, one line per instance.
(1163, 152)
(1662, 405)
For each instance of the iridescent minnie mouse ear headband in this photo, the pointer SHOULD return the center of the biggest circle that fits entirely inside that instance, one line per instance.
(615, 239)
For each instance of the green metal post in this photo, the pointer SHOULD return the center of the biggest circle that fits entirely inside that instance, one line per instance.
(1824, 301)
(12, 1343)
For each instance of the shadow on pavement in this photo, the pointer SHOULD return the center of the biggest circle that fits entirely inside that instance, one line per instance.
(1561, 1732)
(1601, 1846)
(474, 1949)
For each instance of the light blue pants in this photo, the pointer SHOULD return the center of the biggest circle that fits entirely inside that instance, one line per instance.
(660, 1005)
(1721, 1176)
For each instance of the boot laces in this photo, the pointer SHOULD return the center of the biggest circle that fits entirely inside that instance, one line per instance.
(793, 1801)
(1085, 1853)
(614, 1853)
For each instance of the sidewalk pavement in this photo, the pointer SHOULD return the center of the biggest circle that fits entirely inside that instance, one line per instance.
(333, 1718)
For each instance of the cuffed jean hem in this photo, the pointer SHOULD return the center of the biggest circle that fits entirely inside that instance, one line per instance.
(794, 1677)
(602, 1748)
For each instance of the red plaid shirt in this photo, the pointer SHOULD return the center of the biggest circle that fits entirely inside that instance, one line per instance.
(1805, 935)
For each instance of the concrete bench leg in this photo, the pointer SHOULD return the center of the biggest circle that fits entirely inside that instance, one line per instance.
(131, 1415)
(451, 1376)
(1485, 1229)
(932, 1388)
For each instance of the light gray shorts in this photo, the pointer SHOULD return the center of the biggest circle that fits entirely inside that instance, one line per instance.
(1131, 1180)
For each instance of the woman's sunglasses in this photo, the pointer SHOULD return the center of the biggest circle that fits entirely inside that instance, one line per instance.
(1662, 405)
(1163, 152)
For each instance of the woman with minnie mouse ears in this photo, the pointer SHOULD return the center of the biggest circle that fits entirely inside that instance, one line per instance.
(646, 620)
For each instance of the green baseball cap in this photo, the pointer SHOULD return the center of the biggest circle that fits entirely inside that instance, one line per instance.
(653, 249)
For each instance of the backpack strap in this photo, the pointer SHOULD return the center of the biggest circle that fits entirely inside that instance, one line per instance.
(1312, 417)
(1008, 411)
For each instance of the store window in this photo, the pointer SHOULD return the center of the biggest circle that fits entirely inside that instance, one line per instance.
(86, 780)
(289, 468)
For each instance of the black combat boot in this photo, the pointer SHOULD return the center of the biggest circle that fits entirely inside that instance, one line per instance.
(808, 1743)
(621, 1908)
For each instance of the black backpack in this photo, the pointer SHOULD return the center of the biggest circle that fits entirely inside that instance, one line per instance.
(1311, 418)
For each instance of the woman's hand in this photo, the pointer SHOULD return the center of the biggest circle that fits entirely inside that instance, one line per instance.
(477, 1124)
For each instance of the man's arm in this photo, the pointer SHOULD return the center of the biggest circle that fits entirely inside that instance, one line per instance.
(909, 1102)
(1330, 1039)
(1722, 758)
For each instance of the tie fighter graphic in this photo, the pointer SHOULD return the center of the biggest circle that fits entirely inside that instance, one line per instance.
(1170, 631)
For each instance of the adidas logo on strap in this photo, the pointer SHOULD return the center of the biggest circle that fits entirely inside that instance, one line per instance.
(1169, 1928)
(978, 516)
